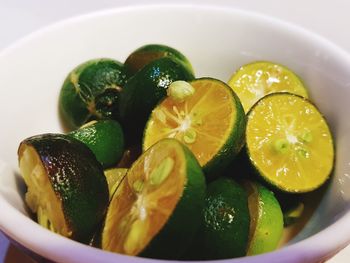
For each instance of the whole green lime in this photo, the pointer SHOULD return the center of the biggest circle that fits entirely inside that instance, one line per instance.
(105, 139)
(225, 228)
(91, 91)
(147, 53)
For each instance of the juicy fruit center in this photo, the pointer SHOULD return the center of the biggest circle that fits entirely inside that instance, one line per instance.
(143, 202)
(289, 141)
(40, 196)
(202, 121)
(186, 123)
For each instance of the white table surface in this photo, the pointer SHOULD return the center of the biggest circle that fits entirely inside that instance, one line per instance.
(329, 18)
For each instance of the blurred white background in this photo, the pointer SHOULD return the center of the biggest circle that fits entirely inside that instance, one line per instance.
(329, 19)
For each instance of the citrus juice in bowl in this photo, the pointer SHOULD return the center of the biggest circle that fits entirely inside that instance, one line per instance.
(33, 71)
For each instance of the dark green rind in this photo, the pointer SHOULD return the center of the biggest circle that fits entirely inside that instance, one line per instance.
(77, 179)
(263, 179)
(234, 143)
(148, 53)
(72, 108)
(99, 82)
(144, 90)
(217, 238)
(176, 235)
(105, 138)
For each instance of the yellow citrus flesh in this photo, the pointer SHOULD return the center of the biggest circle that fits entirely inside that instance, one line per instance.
(114, 176)
(144, 200)
(289, 142)
(253, 81)
(40, 196)
(203, 121)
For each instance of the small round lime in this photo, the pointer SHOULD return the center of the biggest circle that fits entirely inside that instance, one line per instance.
(225, 227)
(105, 138)
(91, 91)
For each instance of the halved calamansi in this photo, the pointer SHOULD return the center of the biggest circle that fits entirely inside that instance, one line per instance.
(289, 143)
(156, 209)
(209, 120)
(255, 80)
(66, 185)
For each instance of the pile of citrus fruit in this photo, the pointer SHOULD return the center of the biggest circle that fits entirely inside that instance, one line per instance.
(160, 164)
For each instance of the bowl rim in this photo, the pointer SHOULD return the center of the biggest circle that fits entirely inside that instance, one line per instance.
(302, 251)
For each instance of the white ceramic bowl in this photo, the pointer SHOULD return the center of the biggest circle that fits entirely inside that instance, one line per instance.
(217, 41)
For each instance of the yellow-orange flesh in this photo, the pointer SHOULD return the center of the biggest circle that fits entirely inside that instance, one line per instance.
(203, 121)
(114, 176)
(253, 81)
(144, 201)
(289, 142)
(40, 196)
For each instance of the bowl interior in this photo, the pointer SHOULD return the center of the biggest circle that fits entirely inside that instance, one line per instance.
(216, 40)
